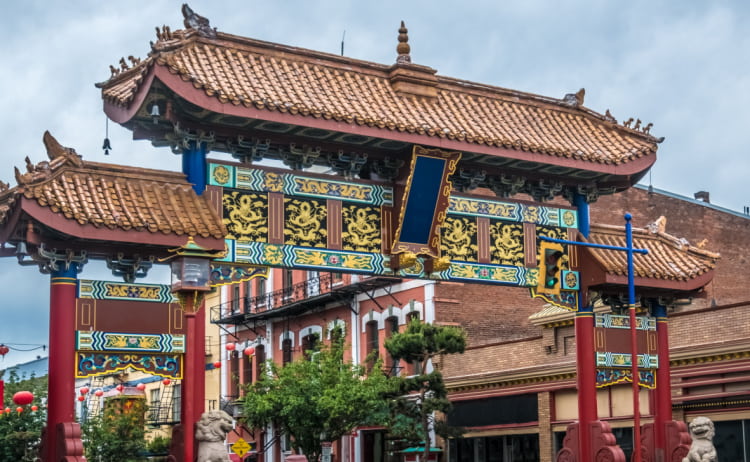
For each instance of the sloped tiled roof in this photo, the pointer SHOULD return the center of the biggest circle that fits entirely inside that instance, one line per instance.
(668, 257)
(241, 72)
(113, 196)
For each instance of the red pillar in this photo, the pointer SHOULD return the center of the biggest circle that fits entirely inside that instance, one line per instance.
(193, 382)
(586, 379)
(61, 386)
(663, 385)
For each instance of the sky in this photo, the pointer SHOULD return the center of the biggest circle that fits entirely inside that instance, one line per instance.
(683, 66)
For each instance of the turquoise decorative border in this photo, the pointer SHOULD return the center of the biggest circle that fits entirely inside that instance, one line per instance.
(129, 342)
(512, 211)
(298, 185)
(111, 290)
(619, 321)
(607, 359)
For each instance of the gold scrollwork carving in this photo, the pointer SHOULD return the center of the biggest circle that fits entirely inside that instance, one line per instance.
(507, 243)
(305, 223)
(361, 228)
(459, 238)
(246, 216)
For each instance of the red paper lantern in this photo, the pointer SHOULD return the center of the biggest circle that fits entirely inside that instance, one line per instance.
(81, 398)
(166, 382)
(34, 408)
(230, 346)
(19, 409)
(249, 351)
(141, 386)
(120, 388)
(23, 398)
(84, 390)
(99, 393)
(4, 350)
(217, 364)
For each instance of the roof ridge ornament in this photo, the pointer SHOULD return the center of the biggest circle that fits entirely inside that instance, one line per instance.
(403, 47)
(197, 22)
(575, 99)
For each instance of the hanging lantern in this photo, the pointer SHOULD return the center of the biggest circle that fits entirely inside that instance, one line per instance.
(99, 393)
(230, 346)
(4, 350)
(84, 390)
(23, 398)
(34, 408)
(119, 388)
(249, 351)
(166, 382)
(81, 398)
(217, 364)
(141, 386)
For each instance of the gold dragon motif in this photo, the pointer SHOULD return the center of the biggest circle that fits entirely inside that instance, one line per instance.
(507, 244)
(246, 216)
(305, 223)
(458, 239)
(362, 229)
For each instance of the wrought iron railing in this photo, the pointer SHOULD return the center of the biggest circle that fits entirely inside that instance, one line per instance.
(316, 285)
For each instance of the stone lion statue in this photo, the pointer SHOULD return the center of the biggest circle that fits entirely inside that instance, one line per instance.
(210, 431)
(702, 449)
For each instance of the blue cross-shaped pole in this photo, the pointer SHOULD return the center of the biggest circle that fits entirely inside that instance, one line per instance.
(631, 310)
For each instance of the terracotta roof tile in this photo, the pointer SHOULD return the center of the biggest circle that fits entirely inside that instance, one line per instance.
(116, 197)
(241, 71)
(668, 257)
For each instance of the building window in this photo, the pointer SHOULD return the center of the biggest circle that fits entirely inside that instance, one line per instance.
(337, 277)
(416, 366)
(391, 362)
(236, 299)
(234, 376)
(372, 343)
(286, 351)
(176, 400)
(261, 292)
(154, 403)
(310, 344)
(260, 360)
(288, 282)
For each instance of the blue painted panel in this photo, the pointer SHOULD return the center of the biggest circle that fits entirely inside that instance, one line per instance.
(423, 195)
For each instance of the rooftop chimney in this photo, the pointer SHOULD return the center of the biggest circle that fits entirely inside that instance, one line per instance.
(702, 196)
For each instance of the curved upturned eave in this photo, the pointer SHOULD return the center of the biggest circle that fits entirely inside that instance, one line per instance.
(87, 232)
(185, 89)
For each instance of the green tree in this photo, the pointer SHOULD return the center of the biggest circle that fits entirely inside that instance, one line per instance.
(424, 394)
(21, 432)
(317, 399)
(118, 434)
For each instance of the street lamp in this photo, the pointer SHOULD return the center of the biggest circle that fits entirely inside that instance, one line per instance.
(191, 273)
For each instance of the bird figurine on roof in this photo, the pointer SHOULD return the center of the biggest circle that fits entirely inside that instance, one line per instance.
(195, 21)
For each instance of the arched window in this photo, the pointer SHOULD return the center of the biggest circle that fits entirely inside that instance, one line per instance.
(372, 343)
(286, 351)
(310, 344)
(391, 362)
(260, 360)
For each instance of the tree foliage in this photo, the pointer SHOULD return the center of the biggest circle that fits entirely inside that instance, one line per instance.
(117, 434)
(424, 394)
(21, 432)
(317, 399)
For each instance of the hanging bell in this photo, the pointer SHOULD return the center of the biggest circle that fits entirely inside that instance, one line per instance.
(106, 146)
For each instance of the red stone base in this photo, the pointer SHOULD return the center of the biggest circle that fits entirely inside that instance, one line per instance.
(69, 444)
(677, 442)
(604, 446)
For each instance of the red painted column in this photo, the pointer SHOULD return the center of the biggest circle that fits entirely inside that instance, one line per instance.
(586, 379)
(61, 386)
(193, 382)
(663, 382)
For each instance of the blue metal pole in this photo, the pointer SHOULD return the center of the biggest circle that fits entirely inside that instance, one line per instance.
(633, 342)
(584, 222)
(194, 165)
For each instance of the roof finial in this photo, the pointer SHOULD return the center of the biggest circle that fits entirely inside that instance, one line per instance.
(403, 48)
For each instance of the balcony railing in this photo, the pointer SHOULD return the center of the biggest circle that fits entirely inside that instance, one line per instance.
(315, 291)
(313, 286)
